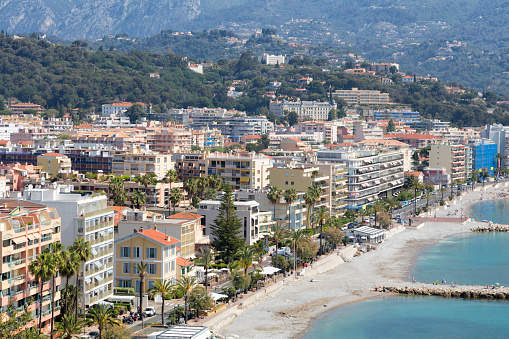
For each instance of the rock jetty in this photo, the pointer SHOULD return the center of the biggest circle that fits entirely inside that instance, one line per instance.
(491, 228)
(465, 292)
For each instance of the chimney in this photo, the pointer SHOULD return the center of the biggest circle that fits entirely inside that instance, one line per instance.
(155, 228)
(135, 231)
(140, 230)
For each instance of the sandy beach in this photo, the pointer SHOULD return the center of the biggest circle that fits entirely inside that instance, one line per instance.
(288, 312)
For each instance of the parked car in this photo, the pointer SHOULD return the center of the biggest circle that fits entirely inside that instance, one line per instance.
(366, 220)
(150, 311)
(93, 334)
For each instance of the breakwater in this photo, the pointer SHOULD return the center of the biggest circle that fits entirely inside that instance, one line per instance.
(491, 228)
(465, 292)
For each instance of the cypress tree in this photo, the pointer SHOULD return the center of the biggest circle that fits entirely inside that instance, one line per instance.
(226, 227)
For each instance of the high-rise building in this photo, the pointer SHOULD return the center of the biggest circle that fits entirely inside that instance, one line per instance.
(450, 157)
(86, 217)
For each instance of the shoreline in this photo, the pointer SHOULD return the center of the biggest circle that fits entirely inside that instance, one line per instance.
(299, 302)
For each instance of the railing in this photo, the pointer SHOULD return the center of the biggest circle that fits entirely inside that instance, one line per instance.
(99, 212)
(103, 252)
(43, 239)
(99, 283)
(19, 229)
(18, 261)
(19, 277)
(98, 269)
(99, 226)
(99, 297)
(101, 239)
(18, 246)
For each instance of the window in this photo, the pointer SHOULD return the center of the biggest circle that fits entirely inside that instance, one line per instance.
(126, 268)
(151, 269)
(286, 174)
(150, 284)
(292, 183)
(125, 252)
(286, 182)
(151, 252)
(137, 252)
(173, 265)
(135, 270)
(124, 283)
(137, 286)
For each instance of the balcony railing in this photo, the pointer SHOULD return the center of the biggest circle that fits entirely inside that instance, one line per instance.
(98, 269)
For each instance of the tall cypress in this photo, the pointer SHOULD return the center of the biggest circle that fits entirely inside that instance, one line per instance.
(226, 227)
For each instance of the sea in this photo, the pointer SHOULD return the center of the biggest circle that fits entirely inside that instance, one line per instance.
(466, 259)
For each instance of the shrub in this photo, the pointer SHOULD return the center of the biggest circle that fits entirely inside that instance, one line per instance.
(451, 197)
(123, 290)
(442, 202)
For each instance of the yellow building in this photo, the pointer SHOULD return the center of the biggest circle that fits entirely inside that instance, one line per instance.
(55, 163)
(27, 229)
(140, 161)
(154, 248)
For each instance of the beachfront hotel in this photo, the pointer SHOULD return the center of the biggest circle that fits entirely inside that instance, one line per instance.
(372, 174)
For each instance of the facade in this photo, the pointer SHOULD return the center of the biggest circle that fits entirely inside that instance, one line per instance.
(19, 108)
(372, 173)
(314, 109)
(436, 176)
(27, 229)
(356, 96)
(406, 117)
(240, 170)
(118, 108)
(483, 156)
(152, 247)
(383, 67)
(89, 218)
(55, 164)
(450, 157)
(139, 161)
(328, 130)
(252, 219)
(416, 140)
(190, 165)
(269, 59)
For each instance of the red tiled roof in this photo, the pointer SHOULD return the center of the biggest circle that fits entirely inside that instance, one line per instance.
(185, 215)
(4, 142)
(119, 208)
(159, 237)
(252, 137)
(54, 155)
(294, 139)
(348, 136)
(413, 136)
(183, 262)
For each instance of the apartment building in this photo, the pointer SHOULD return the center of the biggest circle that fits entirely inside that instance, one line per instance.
(27, 229)
(416, 140)
(316, 110)
(108, 139)
(240, 170)
(54, 164)
(152, 247)
(190, 165)
(270, 59)
(185, 228)
(237, 127)
(169, 139)
(118, 108)
(203, 115)
(377, 67)
(483, 156)
(19, 108)
(372, 173)
(328, 130)
(86, 217)
(255, 223)
(450, 157)
(360, 97)
(140, 161)
(406, 117)
(28, 134)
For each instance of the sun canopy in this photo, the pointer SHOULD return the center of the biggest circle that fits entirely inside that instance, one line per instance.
(217, 296)
(270, 270)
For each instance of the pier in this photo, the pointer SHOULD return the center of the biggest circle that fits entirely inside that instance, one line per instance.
(465, 292)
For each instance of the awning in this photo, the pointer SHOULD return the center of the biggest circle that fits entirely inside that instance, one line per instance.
(94, 251)
(102, 233)
(20, 240)
(98, 264)
(217, 296)
(46, 232)
(270, 270)
(88, 280)
(110, 271)
(98, 278)
(30, 237)
(36, 235)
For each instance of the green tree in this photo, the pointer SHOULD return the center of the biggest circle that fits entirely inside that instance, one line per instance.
(274, 195)
(141, 268)
(321, 215)
(391, 126)
(245, 257)
(42, 270)
(191, 187)
(12, 322)
(279, 234)
(210, 194)
(138, 198)
(296, 236)
(102, 316)
(83, 250)
(117, 332)
(215, 181)
(205, 258)
(162, 287)
(117, 190)
(69, 327)
(187, 283)
(290, 196)
(200, 299)
(175, 197)
(226, 227)
(68, 267)
(292, 118)
(135, 113)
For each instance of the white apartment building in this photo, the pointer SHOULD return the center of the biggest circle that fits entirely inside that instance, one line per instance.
(240, 170)
(252, 219)
(327, 130)
(269, 59)
(372, 173)
(6, 129)
(84, 217)
(316, 110)
(453, 158)
(356, 96)
(118, 108)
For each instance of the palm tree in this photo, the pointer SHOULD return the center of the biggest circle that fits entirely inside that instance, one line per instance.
(42, 270)
(499, 158)
(210, 194)
(442, 190)
(290, 196)
(171, 176)
(274, 195)
(414, 183)
(215, 181)
(278, 234)
(205, 258)
(56, 259)
(377, 207)
(142, 272)
(246, 257)
(83, 250)
(68, 267)
(147, 179)
(391, 204)
(190, 186)
(175, 197)
(117, 191)
(201, 185)
(69, 327)
(296, 236)
(162, 287)
(309, 201)
(102, 316)
(138, 198)
(321, 215)
(187, 283)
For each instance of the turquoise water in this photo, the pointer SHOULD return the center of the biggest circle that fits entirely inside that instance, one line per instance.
(495, 211)
(468, 259)
(414, 317)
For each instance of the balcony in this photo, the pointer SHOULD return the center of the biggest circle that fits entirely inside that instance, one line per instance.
(101, 239)
(99, 269)
(100, 225)
(99, 212)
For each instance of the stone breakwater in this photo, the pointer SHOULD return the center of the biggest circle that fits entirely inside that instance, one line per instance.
(466, 292)
(491, 228)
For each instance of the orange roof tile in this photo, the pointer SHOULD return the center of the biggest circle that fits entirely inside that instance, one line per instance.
(413, 136)
(4, 142)
(185, 215)
(159, 236)
(54, 155)
(183, 262)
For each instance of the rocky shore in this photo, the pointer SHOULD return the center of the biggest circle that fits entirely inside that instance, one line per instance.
(491, 228)
(465, 292)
